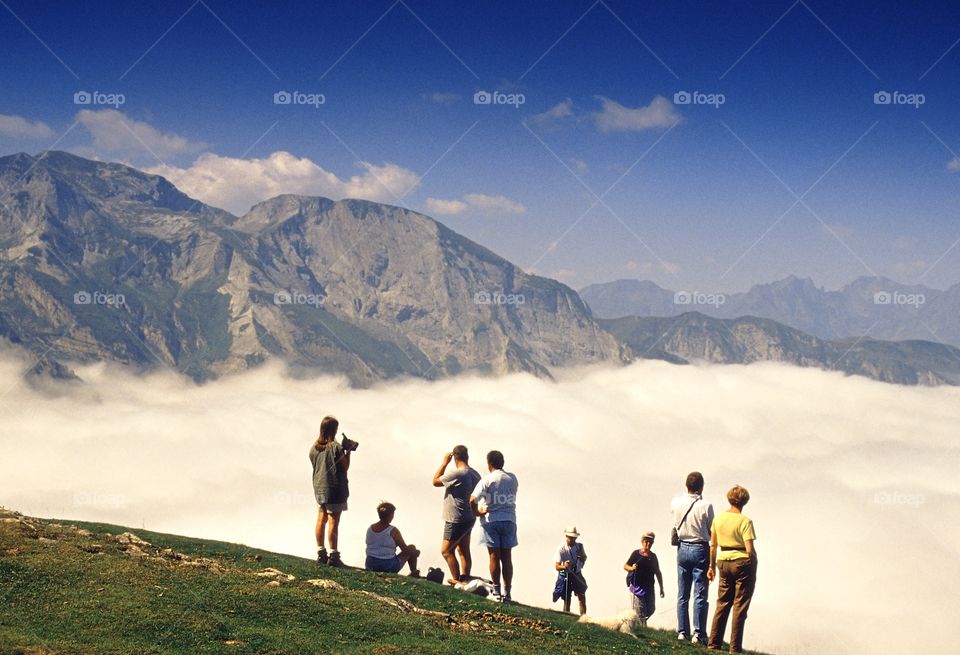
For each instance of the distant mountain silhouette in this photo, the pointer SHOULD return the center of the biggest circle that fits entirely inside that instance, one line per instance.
(869, 306)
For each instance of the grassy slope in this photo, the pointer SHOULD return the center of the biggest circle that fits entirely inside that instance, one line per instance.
(63, 591)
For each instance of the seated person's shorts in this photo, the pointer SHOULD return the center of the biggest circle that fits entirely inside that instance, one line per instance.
(500, 534)
(456, 531)
(392, 565)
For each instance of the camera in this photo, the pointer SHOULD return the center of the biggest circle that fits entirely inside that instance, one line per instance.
(348, 444)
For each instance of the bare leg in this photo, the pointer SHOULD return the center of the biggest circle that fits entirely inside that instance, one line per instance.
(334, 531)
(412, 562)
(506, 556)
(410, 555)
(321, 527)
(583, 603)
(466, 559)
(448, 550)
(495, 566)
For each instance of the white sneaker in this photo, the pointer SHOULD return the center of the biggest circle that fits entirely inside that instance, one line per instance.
(681, 637)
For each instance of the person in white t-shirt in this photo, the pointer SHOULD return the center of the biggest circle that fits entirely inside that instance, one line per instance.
(494, 500)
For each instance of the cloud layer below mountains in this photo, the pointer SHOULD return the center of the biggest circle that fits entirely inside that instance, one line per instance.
(854, 482)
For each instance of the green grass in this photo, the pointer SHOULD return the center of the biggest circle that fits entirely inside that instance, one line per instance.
(62, 591)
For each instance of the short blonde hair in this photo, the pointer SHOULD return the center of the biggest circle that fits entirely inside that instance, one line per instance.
(738, 496)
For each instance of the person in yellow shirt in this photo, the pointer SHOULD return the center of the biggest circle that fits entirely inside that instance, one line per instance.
(732, 547)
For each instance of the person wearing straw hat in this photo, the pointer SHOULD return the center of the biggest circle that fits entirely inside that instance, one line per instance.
(642, 568)
(569, 563)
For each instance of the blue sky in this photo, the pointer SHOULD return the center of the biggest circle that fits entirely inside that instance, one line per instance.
(700, 196)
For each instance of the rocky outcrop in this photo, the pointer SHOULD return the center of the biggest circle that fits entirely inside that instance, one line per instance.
(694, 337)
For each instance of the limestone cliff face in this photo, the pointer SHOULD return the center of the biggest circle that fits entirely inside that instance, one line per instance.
(101, 261)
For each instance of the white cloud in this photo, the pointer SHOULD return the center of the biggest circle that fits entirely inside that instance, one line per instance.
(561, 110)
(19, 127)
(445, 207)
(953, 165)
(855, 502)
(236, 184)
(115, 134)
(579, 165)
(477, 202)
(494, 204)
(614, 117)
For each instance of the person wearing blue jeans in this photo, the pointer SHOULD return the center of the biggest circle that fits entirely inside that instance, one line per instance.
(692, 518)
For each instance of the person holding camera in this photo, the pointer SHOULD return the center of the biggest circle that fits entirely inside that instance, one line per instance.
(331, 461)
(457, 516)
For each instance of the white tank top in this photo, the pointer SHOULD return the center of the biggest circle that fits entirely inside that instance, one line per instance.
(381, 544)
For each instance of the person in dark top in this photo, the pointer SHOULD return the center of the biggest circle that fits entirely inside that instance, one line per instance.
(330, 464)
(642, 568)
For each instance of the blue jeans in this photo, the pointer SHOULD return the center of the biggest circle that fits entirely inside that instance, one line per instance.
(693, 560)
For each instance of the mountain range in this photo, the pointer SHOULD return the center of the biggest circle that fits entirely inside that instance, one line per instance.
(694, 337)
(875, 307)
(100, 261)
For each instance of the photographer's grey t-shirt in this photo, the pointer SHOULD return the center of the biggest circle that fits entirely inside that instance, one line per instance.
(458, 484)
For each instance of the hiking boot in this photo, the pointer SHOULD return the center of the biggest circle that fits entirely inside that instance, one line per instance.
(334, 559)
(322, 557)
(415, 573)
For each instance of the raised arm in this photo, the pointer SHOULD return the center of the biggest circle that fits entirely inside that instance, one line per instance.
(441, 470)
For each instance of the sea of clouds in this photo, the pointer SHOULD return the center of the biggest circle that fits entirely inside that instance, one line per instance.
(853, 482)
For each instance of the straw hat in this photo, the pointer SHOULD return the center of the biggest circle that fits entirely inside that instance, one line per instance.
(571, 532)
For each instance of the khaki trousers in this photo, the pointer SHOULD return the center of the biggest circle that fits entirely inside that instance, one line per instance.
(737, 580)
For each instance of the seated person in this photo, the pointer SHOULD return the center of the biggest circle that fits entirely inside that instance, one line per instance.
(386, 550)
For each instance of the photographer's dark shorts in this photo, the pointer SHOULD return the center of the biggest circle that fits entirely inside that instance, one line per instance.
(456, 531)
